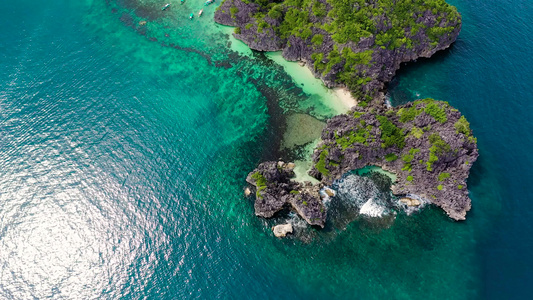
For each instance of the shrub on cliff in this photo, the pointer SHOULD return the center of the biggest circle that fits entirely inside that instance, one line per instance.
(355, 28)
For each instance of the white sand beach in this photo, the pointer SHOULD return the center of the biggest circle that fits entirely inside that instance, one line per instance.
(338, 99)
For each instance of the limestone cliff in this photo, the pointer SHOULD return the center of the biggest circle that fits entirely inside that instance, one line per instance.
(355, 43)
(275, 191)
(427, 143)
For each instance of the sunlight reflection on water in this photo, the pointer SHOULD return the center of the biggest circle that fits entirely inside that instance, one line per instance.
(67, 239)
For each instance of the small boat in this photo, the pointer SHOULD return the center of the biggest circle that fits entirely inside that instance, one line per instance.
(208, 2)
(191, 16)
(166, 6)
(200, 12)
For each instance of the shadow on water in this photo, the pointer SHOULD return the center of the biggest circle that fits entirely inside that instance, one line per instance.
(401, 96)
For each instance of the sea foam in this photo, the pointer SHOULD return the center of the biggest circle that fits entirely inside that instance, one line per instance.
(372, 209)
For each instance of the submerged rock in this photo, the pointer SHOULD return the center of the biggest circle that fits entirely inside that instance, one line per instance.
(282, 230)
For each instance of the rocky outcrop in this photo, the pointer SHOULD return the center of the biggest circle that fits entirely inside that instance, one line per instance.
(427, 144)
(282, 230)
(362, 56)
(308, 204)
(410, 201)
(274, 191)
(242, 18)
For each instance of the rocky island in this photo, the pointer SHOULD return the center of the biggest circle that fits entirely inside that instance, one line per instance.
(360, 44)
(274, 190)
(426, 143)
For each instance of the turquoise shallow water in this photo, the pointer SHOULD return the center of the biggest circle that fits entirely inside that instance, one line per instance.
(123, 152)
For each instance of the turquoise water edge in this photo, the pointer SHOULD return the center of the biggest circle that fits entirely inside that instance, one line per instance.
(124, 149)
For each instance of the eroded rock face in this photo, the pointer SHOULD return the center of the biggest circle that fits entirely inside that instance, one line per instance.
(261, 41)
(275, 190)
(427, 144)
(264, 30)
(272, 185)
(308, 204)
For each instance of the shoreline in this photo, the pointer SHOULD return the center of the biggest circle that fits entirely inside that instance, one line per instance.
(338, 99)
(235, 44)
(344, 95)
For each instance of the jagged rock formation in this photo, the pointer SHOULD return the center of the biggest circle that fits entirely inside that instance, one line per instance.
(427, 143)
(274, 191)
(361, 44)
(356, 43)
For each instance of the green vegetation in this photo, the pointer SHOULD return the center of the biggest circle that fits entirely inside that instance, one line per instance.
(319, 9)
(276, 12)
(294, 192)
(304, 203)
(443, 176)
(462, 126)
(439, 187)
(233, 11)
(408, 158)
(317, 39)
(333, 59)
(439, 147)
(433, 109)
(321, 164)
(390, 134)
(416, 132)
(409, 178)
(357, 114)
(261, 26)
(392, 23)
(460, 187)
(391, 157)
(260, 183)
(237, 30)
(408, 114)
(360, 136)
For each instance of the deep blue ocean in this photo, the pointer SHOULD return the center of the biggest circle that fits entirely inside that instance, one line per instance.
(124, 150)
